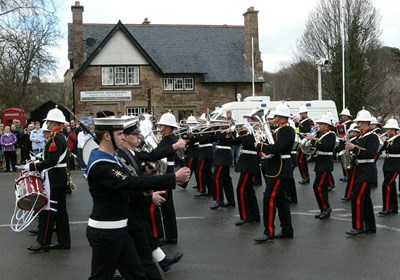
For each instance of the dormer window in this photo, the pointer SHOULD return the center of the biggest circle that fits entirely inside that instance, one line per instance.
(120, 75)
(178, 84)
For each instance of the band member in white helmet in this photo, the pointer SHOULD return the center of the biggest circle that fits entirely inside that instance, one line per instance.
(362, 210)
(391, 168)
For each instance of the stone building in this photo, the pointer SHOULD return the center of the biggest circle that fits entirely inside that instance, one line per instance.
(136, 68)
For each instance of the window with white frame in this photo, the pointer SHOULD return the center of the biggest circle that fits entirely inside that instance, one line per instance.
(136, 110)
(120, 75)
(178, 84)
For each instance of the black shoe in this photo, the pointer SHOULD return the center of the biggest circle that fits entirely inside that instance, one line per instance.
(344, 179)
(330, 188)
(39, 247)
(263, 238)
(304, 181)
(171, 241)
(354, 231)
(317, 216)
(195, 187)
(216, 205)
(240, 222)
(325, 214)
(345, 198)
(284, 235)
(199, 195)
(370, 230)
(166, 263)
(228, 204)
(59, 246)
(34, 230)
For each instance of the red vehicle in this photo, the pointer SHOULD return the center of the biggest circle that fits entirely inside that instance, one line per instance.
(10, 114)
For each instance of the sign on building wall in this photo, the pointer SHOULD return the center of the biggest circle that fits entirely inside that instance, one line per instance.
(116, 95)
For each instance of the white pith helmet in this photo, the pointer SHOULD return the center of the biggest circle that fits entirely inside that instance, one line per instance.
(55, 115)
(324, 119)
(353, 127)
(191, 120)
(282, 110)
(392, 123)
(168, 119)
(303, 109)
(345, 112)
(363, 116)
(374, 121)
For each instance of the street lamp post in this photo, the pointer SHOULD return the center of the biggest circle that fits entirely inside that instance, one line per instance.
(321, 64)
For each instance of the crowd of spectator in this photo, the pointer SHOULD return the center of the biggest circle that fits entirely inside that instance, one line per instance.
(18, 144)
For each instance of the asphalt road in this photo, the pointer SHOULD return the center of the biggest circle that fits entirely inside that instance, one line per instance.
(214, 248)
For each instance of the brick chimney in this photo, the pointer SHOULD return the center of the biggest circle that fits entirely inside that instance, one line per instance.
(251, 31)
(77, 36)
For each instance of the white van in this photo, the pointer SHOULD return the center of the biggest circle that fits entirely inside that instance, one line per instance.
(316, 108)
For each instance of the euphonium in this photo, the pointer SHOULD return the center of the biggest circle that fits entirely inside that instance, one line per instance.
(305, 145)
(262, 133)
(345, 156)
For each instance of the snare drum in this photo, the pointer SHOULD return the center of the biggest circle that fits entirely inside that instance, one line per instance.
(29, 191)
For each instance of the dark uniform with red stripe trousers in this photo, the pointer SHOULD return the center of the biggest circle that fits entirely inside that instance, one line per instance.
(192, 157)
(247, 165)
(58, 187)
(277, 171)
(362, 209)
(205, 163)
(325, 146)
(391, 168)
(166, 223)
(222, 181)
(305, 126)
(351, 174)
(378, 132)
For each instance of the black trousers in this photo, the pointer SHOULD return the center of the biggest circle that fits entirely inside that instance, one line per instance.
(362, 210)
(192, 165)
(223, 183)
(114, 249)
(11, 160)
(303, 165)
(320, 187)
(246, 197)
(389, 194)
(204, 172)
(49, 218)
(350, 182)
(276, 198)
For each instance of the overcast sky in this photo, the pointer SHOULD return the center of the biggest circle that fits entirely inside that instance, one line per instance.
(281, 22)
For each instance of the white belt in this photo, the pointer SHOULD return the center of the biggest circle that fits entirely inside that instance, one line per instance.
(108, 224)
(197, 143)
(223, 147)
(60, 165)
(286, 156)
(205, 145)
(294, 152)
(393, 155)
(170, 163)
(365, 160)
(248, 152)
(325, 153)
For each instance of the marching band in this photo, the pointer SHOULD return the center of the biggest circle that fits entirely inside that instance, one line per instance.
(278, 142)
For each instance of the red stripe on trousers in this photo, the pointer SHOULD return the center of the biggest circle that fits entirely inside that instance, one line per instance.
(46, 231)
(358, 206)
(301, 168)
(351, 184)
(319, 189)
(217, 184)
(201, 186)
(387, 200)
(153, 220)
(242, 200)
(272, 207)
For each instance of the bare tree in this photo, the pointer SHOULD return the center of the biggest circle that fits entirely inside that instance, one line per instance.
(323, 39)
(28, 29)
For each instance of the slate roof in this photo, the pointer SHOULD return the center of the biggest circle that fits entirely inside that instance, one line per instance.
(217, 52)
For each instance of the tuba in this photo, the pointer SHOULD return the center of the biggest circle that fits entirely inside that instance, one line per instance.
(147, 127)
(263, 133)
